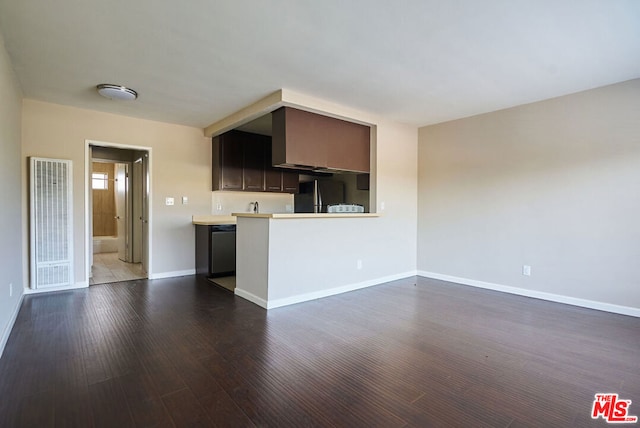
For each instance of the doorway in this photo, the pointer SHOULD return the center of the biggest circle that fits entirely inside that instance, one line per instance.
(119, 191)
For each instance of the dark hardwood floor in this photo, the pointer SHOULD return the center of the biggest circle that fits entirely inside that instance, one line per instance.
(416, 352)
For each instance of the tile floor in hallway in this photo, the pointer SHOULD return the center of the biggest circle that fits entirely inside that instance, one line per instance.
(108, 268)
(228, 282)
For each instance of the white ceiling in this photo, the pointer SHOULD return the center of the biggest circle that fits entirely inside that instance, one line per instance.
(194, 62)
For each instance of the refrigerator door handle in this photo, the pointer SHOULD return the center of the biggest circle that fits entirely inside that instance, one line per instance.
(318, 202)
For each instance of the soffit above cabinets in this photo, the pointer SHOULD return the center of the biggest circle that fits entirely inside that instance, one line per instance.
(261, 125)
(258, 115)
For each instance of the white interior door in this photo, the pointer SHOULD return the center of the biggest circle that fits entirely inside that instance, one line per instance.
(136, 204)
(121, 210)
(90, 215)
(144, 218)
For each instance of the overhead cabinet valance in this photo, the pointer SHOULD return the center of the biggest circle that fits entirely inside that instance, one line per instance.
(305, 140)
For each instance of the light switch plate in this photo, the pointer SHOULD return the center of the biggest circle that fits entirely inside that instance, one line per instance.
(169, 201)
(185, 200)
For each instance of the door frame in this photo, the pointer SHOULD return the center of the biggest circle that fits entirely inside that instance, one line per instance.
(88, 201)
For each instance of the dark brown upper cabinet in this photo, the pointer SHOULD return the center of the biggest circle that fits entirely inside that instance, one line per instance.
(254, 148)
(305, 140)
(290, 182)
(227, 162)
(278, 179)
(242, 162)
(362, 181)
(272, 180)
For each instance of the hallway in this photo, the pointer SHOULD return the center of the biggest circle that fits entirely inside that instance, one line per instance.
(108, 268)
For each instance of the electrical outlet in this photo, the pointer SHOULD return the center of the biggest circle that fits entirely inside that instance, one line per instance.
(526, 270)
(381, 206)
(219, 206)
(359, 264)
(169, 201)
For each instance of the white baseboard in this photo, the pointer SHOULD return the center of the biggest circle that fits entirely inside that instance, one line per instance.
(251, 297)
(7, 330)
(77, 285)
(558, 298)
(173, 274)
(271, 304)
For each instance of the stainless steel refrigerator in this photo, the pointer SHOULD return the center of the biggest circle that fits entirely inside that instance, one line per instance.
(315, 195)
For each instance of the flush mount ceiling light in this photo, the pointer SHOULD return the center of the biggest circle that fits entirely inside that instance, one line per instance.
(116, 92)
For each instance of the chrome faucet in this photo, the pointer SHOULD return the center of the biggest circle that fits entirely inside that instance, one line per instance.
(255, 207)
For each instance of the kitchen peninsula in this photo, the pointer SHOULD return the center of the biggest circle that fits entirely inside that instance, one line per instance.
(286, 257)
(289, 258)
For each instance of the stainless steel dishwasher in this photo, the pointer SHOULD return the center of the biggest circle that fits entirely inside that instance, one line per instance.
(223, 250)
(216, 250)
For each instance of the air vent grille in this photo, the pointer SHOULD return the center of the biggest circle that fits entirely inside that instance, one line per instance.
(51, 223)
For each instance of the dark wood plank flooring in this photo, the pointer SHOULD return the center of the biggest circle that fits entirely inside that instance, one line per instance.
(416, 352)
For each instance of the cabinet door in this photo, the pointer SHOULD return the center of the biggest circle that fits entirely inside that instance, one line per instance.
(305, 139)
(254, 148)
(272, 180)
(362, 182)
(202, 249)
(242, 161)
(348, 146)
(227, 163)
(298, 138)
(272, 176)
(290, 182)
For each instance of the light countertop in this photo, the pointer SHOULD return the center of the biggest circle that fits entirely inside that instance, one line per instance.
(210, 220)
(305, 215)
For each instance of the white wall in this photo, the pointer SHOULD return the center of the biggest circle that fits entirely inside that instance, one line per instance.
(180, 166)
(554, 185)
(252, 261)
(311, 258)
(11, 165)
(225, 203)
